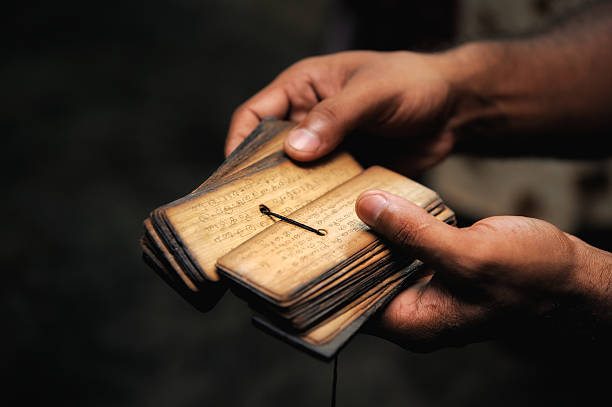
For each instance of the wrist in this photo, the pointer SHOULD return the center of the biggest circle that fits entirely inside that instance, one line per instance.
(591, 279)
(473, 71)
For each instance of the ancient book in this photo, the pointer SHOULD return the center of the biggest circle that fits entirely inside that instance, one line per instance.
(284, 236)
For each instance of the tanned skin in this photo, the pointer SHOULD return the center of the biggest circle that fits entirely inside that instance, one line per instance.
(552, 90)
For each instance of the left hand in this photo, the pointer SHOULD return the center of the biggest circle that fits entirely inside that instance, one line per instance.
(401, 98)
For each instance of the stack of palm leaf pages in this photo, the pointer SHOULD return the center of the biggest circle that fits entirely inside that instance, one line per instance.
(311, 287)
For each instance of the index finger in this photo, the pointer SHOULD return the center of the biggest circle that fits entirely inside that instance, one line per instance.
(268, 102)
(427, 316)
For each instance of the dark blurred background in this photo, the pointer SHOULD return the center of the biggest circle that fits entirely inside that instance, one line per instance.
(111, 108)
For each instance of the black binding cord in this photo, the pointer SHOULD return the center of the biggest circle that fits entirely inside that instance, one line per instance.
(266, 211)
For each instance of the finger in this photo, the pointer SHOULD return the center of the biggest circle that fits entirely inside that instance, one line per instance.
(408, 225)
(270, 102)
(326, 124)
(427, 317)
(409, 295)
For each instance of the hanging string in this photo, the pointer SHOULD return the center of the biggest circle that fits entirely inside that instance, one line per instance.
(334, 382)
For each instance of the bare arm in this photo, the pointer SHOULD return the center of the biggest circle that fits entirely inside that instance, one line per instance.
(550, 94)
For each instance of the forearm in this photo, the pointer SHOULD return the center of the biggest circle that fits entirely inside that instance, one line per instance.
(550, 94)
(592, 284)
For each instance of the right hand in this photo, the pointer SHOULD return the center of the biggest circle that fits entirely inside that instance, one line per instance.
(491, 279)
(399, 95)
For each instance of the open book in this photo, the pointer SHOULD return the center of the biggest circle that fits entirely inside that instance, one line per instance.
(284, 236)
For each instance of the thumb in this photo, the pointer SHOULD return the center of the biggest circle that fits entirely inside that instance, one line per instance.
(329, 121)
(410, 226)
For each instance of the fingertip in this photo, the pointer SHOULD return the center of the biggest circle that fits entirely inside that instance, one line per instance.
(369, 205)
(369, 192)
(303, 144)
(230, 146)
(228, 149)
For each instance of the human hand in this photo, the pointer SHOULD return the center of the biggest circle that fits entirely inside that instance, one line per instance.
(487, 276)
(400, 95)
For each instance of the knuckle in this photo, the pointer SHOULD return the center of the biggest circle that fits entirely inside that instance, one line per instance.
(325, 113)
(238, 112)
(300, 93)
(405, 234)
(478, 256)
(476, 261)
(302, 64)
